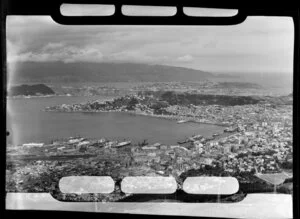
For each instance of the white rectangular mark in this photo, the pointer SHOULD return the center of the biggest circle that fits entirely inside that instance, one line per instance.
(87, 10)
(211, 185)
(148, 185)
(137, 10)
(86, 184)
(209, 12)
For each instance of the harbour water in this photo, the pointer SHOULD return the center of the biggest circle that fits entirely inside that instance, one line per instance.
(27, 122)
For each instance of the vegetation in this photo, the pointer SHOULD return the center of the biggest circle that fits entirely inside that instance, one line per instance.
(175, 98)
(32, 90)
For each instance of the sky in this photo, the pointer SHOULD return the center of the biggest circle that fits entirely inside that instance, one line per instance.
(259, 44)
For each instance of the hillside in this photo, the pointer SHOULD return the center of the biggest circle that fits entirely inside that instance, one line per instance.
(184, 98)
(32, 90)
(240, 85)
(51, 72)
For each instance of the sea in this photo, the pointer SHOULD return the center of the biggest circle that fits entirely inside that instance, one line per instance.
(27, 122)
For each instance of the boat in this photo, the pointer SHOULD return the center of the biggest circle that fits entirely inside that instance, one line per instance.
(182, 142)
(156, 145)
(124, 143)
(182, 121)
(33, 145)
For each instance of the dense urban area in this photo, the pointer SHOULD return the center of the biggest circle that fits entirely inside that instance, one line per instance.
(256, 146)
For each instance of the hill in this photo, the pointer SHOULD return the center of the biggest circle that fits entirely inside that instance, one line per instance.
(51, 72)
(185, 98)
(32, 90)
(240, 85)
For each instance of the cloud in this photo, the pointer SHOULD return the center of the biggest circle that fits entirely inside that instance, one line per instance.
(67, 54)
(135, 56)
(58, 52)
(257, 43)
(53, 46)
(186, 58)
(11, 50)
(211, 44)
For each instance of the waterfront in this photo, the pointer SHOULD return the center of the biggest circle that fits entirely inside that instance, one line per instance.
(27, 122)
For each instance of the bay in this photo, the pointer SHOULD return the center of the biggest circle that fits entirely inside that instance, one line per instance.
(27, 122)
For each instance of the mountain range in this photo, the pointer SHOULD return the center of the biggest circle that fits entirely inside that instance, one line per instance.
(52, 72)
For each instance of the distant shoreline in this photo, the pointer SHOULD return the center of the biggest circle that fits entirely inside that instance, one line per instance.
(36, 96)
